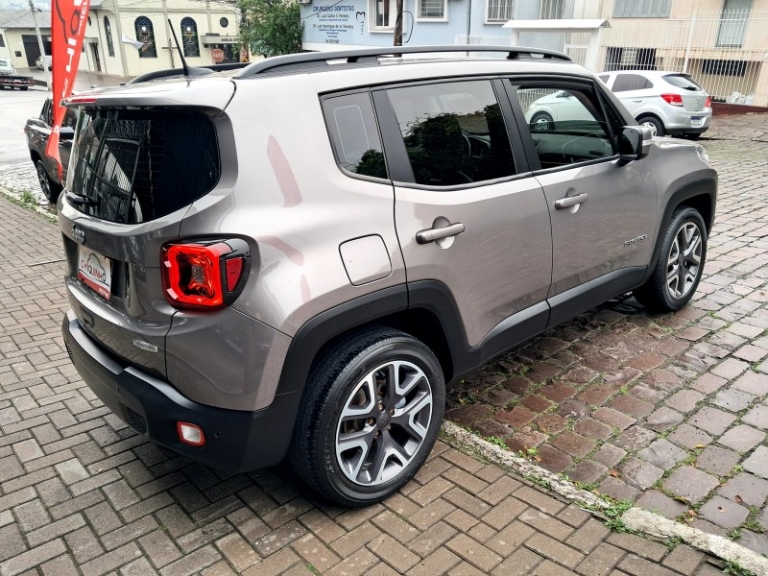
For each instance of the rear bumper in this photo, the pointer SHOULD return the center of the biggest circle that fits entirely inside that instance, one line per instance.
(236, 441)
(681, 122)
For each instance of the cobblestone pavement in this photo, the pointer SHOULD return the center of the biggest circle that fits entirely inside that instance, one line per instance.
(668, 411)
(81, 493)
(654, 408)
(738, 127)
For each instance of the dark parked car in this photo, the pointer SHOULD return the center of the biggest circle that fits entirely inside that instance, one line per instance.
(38, 130)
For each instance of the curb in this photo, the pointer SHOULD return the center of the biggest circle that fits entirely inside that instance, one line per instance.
(636, 519)
(16, 199)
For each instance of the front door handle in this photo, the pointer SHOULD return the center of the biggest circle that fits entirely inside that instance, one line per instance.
(571, 201)
(432, 234)
(638, 100)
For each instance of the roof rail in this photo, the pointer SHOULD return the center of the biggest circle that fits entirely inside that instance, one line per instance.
(353, 56)
(170, 72)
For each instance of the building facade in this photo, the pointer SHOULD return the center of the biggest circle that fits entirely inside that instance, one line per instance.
(333, 24)
(722, 43)
(130, 37)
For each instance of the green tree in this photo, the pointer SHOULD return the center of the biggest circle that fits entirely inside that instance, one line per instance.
(271, 27)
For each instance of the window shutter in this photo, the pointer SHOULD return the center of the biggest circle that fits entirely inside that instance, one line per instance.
(619, 8)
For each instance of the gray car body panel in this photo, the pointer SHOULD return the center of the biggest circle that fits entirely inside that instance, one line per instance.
(283, 193)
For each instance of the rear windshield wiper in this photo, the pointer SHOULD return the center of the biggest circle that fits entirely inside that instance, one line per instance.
(79, 199)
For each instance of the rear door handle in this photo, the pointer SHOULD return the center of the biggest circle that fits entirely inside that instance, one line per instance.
(432, 234)
(637, 100)
(571, 201)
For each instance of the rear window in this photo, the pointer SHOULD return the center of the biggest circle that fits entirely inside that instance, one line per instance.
(682, 81)
(139, 165)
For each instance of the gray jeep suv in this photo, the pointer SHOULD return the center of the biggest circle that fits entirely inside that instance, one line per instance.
(296, 257)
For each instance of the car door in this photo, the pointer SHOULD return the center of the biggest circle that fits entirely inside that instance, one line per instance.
(603, 211)
(633, 90)
(469, 215)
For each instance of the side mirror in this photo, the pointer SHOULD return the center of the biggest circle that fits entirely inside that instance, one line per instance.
(634, 143)
(66, 133)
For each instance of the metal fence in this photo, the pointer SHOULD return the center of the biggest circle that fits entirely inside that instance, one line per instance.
(725, 52)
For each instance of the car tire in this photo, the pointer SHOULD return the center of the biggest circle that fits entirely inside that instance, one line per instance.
(542, 122)
(694, 136)
(24, 88)
(371, 411)
(50, 189)
(680, 266)
(654, 124)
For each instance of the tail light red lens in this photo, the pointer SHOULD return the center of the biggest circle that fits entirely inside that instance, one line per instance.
(673, 99)
(708, 102)
(203, 275)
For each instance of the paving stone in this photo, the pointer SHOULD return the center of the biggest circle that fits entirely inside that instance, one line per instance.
(685, 400)
(718, 461)
(712, 420)
(742, 438)
(639, 474)
(613, 418)
(601, 561)
(662, 454)
(609, 455)
(635, 438)
(689, 437)
(758, 462)
(690, 483)
(724, 512)
(474, 552)
(752, 383)
(655, 501)
(733, 400)
(663, 419)
(574, 444)
(618, 489)
(758, 417)
(684, 559)
(554, 460)
(587, 472)
(746, 488)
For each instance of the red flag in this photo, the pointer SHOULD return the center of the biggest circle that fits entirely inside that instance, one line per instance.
(68, 20)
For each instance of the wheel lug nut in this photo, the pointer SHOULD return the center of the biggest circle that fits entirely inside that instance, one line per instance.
(376, 435)
(389, 427)
(392, 411)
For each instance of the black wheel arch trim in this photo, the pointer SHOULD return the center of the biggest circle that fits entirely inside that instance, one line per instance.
(705, 187)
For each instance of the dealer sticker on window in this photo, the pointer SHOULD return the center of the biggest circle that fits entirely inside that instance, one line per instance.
(95, 270)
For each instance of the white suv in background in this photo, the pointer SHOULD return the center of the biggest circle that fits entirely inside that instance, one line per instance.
(666, 102)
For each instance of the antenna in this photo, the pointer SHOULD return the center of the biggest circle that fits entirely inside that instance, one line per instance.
(193, 71)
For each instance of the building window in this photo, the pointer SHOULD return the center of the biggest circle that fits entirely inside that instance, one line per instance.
(189, 35)
(2, 41)
(724, 67)
(733, 23)
(500, 10)
(108, 34)
(224, 22)
(642, 8)
(145, 34)
(384, 14)
(551, 9)
(626, 58)
(433, 10)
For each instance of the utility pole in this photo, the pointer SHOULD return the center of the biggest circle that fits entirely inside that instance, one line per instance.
(398, 23)
(40, 45)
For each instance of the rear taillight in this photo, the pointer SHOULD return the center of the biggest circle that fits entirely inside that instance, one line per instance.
(708, 102)
(204, 275)
(673, 99)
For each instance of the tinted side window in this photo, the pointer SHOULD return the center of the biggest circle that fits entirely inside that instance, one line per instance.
(604, 78)
(354, 134)
(567, 126)
(626, 82)
(454, 133)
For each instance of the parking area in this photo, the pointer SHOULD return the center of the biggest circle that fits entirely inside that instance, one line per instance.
(668, 411)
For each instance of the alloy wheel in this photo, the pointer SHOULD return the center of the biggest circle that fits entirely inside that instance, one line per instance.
(44, 182)
(651, 126)
(384, 423)
(684, 260)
